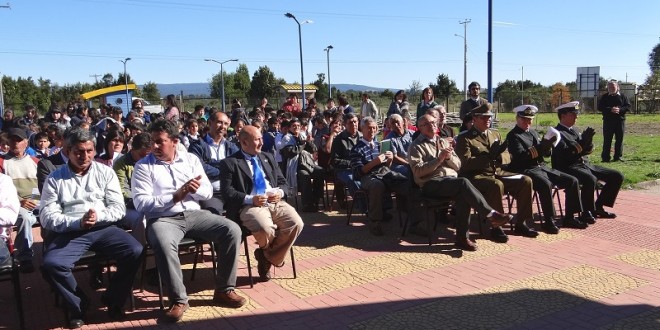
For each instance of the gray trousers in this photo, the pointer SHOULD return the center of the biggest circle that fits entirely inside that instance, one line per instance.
(164, 235)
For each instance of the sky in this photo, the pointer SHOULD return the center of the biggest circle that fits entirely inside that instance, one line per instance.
(383, 43)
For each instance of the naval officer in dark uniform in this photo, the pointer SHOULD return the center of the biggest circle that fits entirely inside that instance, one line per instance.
(482, 152)
(527, 150)
(570, 156)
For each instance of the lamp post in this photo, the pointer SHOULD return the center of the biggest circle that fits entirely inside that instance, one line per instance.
(327, 50)
(302, 76)
(464, 36)
(222, 77)
(126, 84)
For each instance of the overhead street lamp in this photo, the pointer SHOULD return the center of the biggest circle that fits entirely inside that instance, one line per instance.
(126, 85)
(302, 76)
(464, 36)
(222, 77)
(327, 50)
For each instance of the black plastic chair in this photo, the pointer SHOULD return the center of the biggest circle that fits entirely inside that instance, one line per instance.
(245, 234)
(9, 272)
(428, 206)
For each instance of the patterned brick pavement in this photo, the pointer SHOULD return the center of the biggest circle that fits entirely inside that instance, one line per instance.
(604, 277)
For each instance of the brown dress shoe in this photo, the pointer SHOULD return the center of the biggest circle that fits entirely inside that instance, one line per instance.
(499, 219)
(228, 299)
(466, 244)
(175, 313)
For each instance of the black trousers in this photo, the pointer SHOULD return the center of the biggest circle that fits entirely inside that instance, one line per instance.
(311, 185)
(465, 197)
(588, 176)
(613, 128)
(543, 180)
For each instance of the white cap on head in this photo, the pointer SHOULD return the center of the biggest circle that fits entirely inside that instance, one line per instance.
(526, 110)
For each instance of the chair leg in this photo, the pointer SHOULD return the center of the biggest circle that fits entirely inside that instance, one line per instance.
(160, 290)
(17, 293)
(293, 264)
(213, 260)
(349, 212)
(428, 224)
(538, 207)
(198, 249)
(561, 209)
(247, 257)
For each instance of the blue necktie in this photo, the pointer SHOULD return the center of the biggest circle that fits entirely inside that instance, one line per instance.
(258, 177)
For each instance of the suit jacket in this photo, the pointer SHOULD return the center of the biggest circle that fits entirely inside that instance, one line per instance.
(202, 150)
(523, 147)
(236, 180)
(474, 151)
(469, 104)
(47, 166)
(569, 152)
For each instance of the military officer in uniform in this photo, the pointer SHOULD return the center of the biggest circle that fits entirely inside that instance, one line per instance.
(527, 150)
(482, 152)
(570, 156)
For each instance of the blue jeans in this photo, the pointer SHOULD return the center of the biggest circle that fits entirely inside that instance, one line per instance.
(26, 219)
(4, 252)
(346, 177)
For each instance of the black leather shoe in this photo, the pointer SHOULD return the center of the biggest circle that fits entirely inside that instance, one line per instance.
(571, 222)
(523, 230)
(587, 218)
(497, 235)
(550, 227)
(263, 265)
(75, 324)
(600, 213)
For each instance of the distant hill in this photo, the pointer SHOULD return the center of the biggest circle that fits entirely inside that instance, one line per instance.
(361, 88)
(202, 89)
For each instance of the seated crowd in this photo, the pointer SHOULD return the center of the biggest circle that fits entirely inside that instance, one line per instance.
(98, 180)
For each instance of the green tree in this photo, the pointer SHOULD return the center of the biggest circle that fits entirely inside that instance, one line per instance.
(388, 94)
(241, 81)
(108, 80)
(263, 84)
(444, 87)
(414, 89)
(322, 92)
(150, 92)
(654, 59)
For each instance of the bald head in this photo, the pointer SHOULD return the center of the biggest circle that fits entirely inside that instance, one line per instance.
(251, 140)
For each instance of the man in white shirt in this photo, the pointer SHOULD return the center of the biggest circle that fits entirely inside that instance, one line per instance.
(167, 186)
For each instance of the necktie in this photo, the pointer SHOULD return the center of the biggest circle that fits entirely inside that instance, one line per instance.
(258, 177)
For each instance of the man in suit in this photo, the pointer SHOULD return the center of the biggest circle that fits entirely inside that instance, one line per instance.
(570, 156)
(211, 149)
(473, 101)
(527, 150)
(253, 187)
(483, 152)
(613, 105)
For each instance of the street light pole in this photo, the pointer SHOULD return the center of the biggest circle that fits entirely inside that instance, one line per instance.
(126, 84)
(464, 36)
(327, 50)
(222, 78)
(302, 75)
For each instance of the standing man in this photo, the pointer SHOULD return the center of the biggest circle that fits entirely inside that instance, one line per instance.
(483, 152)
(81, 203)
(167, 186)
(434, 166)
(473, 101)
(368, 107)
(570, 156)
(22, 169)
(614, 107)
(254, 188)
(210, 150)
(527, 150)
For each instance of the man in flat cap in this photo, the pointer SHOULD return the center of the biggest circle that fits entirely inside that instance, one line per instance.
(570, 156)
(527, 150)
(483, 152)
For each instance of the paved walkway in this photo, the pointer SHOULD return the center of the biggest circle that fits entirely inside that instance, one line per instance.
(604, 277)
